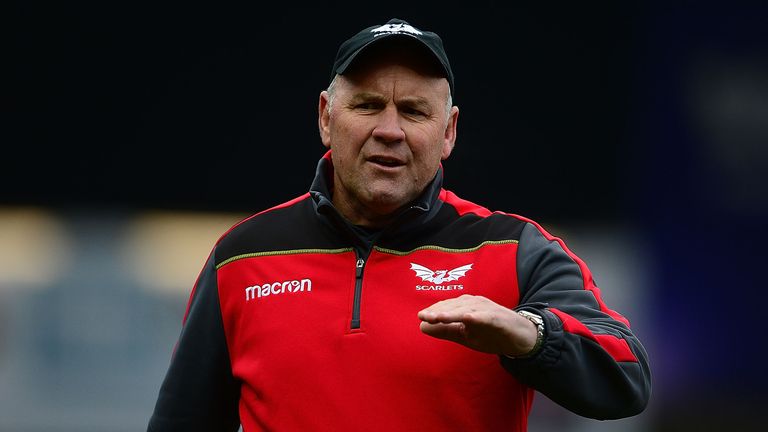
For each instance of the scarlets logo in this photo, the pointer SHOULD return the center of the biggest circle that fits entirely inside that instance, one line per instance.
(395, 28)
(438, 277)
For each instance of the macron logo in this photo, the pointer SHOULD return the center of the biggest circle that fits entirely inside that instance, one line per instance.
(395, 28)
(440, 276)
(258, 291)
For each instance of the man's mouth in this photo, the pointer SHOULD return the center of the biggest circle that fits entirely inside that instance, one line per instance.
(386, 161)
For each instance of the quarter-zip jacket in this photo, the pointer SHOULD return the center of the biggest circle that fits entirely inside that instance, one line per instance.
(299, 323)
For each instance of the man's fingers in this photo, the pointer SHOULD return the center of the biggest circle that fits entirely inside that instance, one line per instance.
(450, 310)
(450, 331)
(435, 317)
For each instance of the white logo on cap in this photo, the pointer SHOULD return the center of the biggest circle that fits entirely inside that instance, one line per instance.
(395, 28)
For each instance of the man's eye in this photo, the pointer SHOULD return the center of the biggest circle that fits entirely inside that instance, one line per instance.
(413, 112)
(367, 106)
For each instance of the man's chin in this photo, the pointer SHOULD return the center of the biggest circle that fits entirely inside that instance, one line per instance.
(386, 204)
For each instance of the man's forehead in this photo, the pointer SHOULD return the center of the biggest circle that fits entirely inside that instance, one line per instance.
(393, 80)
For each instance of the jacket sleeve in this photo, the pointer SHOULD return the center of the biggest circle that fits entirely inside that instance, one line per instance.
(199, 392)
(590, 362)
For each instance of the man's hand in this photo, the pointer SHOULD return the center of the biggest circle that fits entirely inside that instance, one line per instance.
(479, 323)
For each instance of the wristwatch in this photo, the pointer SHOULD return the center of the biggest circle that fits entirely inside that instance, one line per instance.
(539, 322)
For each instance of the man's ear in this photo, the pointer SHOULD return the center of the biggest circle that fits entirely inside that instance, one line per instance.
(449, 138)
(323, 119)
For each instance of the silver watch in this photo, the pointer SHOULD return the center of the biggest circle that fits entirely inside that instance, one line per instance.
(539, 322)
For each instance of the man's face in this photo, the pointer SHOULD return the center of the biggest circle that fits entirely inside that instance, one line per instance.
(388, 128)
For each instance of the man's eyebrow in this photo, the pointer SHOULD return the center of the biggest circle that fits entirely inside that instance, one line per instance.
(365, 96)
(418, 100)
(415, 101)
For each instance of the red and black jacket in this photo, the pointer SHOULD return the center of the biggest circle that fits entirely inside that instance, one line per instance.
(300, 322)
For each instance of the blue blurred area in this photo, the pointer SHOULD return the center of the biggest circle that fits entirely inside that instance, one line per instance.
(699, 155)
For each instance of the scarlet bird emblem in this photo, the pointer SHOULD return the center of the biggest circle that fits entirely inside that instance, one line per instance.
(440, 276)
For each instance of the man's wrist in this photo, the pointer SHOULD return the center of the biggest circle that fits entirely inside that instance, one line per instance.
(538, 321)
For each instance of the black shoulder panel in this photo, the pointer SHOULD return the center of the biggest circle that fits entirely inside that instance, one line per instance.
(450, 230)
(293, 227)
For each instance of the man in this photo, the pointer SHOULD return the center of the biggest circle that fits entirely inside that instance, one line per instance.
(381, 301)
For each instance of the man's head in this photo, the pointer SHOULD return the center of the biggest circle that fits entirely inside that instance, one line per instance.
(388, 119)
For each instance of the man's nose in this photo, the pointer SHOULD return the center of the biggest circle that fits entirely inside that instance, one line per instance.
(388, 127)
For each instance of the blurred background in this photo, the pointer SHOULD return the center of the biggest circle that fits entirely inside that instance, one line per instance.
(135, 133)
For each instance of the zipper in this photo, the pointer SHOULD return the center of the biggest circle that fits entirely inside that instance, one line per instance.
(359, 267)
(362, 253)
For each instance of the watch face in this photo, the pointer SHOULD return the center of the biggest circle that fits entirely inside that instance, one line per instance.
(538, 320)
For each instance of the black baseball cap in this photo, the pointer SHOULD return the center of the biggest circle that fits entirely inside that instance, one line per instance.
(394, 28)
